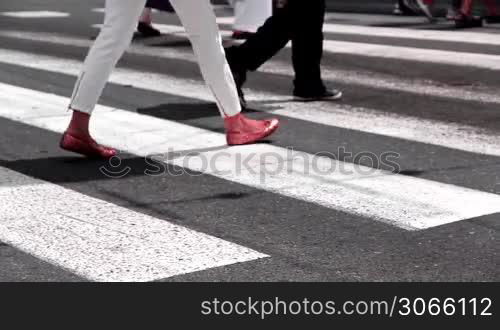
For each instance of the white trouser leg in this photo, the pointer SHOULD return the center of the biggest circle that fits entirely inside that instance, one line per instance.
(199, 20)
(115, 36)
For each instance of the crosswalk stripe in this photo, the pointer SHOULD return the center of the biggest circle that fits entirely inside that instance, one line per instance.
(478, 60)
(483, 61)
(406, 202)
(344, 76)
(101, 241)
(449, 135)
(35, 14)
(482, 38)
(391, 83)
(173, 29)
(414, 34)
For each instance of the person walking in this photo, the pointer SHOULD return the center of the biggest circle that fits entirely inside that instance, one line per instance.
(121, 18)
(145, 26)
(465, 19)
(302, 23)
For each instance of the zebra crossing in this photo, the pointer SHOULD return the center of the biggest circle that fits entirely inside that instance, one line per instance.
(100, 240)
(478, 60)
(462, 137)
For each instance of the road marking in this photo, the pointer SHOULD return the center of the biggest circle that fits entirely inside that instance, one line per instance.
(103, 10)
(477, 60)
(403, 201)
(367, 79)
(415, 34)
(35, 14)
(101, 241)
(450, 135)
(483, 61)
(174, 30)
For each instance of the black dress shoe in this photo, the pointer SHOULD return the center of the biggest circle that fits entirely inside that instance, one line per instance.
(147, 30)
(319, 95)
(463, 22)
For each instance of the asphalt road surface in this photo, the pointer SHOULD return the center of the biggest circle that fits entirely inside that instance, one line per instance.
(400, 181)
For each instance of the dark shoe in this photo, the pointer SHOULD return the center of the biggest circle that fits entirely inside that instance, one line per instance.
(321, 95)
(462, 22)
(147, 30)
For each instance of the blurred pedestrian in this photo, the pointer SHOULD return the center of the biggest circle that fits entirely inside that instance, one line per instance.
(296, 20)
(249, 16)
(121, 16)
(145, 25)
(465, 19)
(453, 10)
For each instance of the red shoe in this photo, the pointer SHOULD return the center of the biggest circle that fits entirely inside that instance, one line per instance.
(242, 130)
(85, 146)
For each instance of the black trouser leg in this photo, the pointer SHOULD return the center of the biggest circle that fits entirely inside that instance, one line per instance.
(264, 44)
(307, 42)
(300, 21)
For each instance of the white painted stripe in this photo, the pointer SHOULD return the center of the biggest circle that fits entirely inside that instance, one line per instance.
(425, 88)
(101, 241)
(35, 14)
(477, 60)
(407, 202)
(483, 61)
(371, 80)
(172, 29)
(414, 34)
(102, 10)
(449, 135)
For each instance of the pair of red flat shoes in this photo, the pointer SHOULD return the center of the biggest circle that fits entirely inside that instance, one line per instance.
(239, 130)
